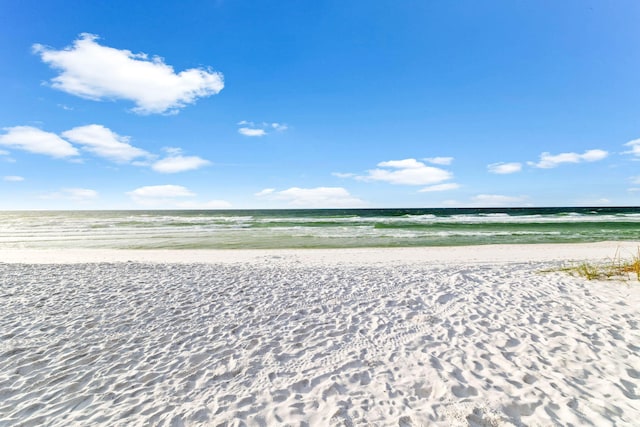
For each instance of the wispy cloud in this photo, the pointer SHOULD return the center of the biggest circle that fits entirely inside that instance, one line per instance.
(103, 142)
(99, 141)
(161, 191)
(635, 147)
(249, 128)
(504, 168)
(597, 201)
(440, 187)
(73, 194)
(280, 127)
(406, 172)
(319, 197)
(211, 204)
(93, 71)
(13, 178)
(634, 180)
(498, 200)
(548, 161)
(81, 193)
(343, 175)
(176, 162)
(443, 161)
(34, 140)
(159, 194)
(172, 196)
(265, 192)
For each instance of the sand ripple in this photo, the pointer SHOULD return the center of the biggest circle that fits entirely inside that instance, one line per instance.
(276, 344)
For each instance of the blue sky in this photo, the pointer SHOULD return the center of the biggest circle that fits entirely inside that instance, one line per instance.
(290, 104)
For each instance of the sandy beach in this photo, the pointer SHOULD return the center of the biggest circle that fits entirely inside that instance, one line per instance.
(458, 336)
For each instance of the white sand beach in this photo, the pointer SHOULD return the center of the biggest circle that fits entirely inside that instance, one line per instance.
(460, 336)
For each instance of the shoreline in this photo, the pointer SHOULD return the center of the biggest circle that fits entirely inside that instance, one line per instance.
(544, 252)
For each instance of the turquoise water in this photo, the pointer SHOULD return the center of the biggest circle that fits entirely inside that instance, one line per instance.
(326, 228)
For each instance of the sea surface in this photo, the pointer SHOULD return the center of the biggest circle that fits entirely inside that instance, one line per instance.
(325, 228)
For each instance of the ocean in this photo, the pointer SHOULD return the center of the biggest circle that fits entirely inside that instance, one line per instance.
(317, 228)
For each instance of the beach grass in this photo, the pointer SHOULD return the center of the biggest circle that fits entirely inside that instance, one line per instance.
(616, 268)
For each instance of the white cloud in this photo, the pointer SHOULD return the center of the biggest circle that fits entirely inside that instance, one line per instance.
(13, 178)
(505, 168)
(320, 197)
(252, 132)
(548, 161)
(159, 194)
(635, 147)
(100, 141)
(4, 153)
(440, 187)
(172, 196)
(402, 164)
(593, 155)
(259, 129)
(103, 142)
(444, 161)
(265, 192)
(34, 140)
(280, 127)
(497, 200)
(161, 191)
(406, 172)
(176, 162)
(75, 194)
(90, 70)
